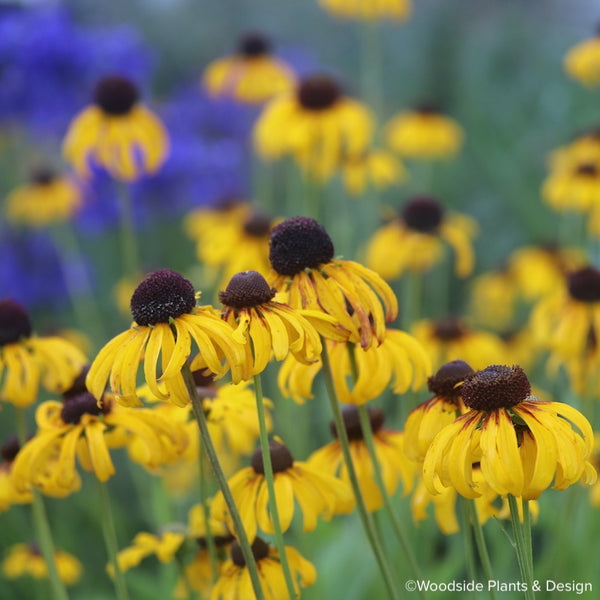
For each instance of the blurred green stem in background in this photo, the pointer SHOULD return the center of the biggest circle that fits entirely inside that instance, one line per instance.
(129, 245)
(522, 540)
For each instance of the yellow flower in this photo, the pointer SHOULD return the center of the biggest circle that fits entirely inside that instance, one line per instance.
(23, 560)
(424, 134)
(428, 418)
(163, 546)
(368, 10)
(265, 327)
(494, 299)
(414, 241)
(305, 271)
(28, 361)
(450, 338)
(399, 361)
(444, 504)
(389, 447)
(166, 320)
(83, 428)
(234, 581)
(595, 459)
(316, 493)
(45, 200)
(315, 124)
(117, 132)
(376, 168)
(9, 494)
(252, 75)
(575, 188)
(523, 445)
(582, 62)
(540, 270)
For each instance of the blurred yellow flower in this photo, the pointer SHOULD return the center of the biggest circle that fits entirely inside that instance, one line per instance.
(117, 132)
(374, 168)
(367, 10)
(582, 62)
(252, 75)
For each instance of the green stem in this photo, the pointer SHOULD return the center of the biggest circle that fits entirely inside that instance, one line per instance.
(110, 539)
(367, 522)
(211, 453)
(129, 247)
(412, 288)
(210, 538)
(467, 537)
(41, 523)
(484, 556)
(523, 552)
(371, 66)
(270, 480)
(367, 431)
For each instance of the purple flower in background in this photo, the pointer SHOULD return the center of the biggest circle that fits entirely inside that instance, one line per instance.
(49, 65)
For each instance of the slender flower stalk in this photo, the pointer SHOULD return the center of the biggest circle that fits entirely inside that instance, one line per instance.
(484, 557)
(367, 430)
(110, 540)
(367, 522)
(270, 480)
(210, 539)
(129, 246)
(42, 526)
(522, 535)
(468, 538)
(222, 482)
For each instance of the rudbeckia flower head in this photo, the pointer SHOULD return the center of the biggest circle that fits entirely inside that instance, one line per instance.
(316, 493)
(47, 199)
(574, 188)
(582, 62)
(166, 320)
(424, 133)
(427, 419)
(9, 494)
(117, 132)
(389, 447)
(414, 241)
(252, 75)
(234, 581)
(301, 254)
(28, 361)
(523, 445)
(316, 124)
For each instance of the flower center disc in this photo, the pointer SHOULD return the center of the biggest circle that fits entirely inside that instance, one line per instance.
(14, 322)
(115, 95)
(318, 92)
(423, 214)
(444, 382)
(497, 386)
(584, 285)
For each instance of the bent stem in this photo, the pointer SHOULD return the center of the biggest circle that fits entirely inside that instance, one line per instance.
(367, 522)
(270, 479)
(110, 539)
(522, 535)
(41, 523)
(367, 431)
(211, 453)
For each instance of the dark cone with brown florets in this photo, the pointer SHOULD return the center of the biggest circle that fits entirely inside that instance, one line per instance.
(115, 95)
(422, 214)
(245, 290)
(281, 459)
(14, 322)
(495, 387)
(318, 92)
(352, 424)
(259, 548)
(446, 382)
(584, 284)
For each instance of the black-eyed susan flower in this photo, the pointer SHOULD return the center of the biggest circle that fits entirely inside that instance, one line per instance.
(84, 429)
(9, 494)
(316, 492)
(316, 124)
(163, 545)
(451, 338)
(166, 320)
(368, 10)
(47, 199)
(389, 447)
(266, 328)
(493, 299)
(424, 134)
(582, 61)
(28, 361)
(26, 560)
(304, 270)
(540, 270)
(415, 240)
(575, 187)
(234, 581)
(378, 169)
(522, 444)
(427, 419)
(361, 375)
(117, 132)
(252, 75)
